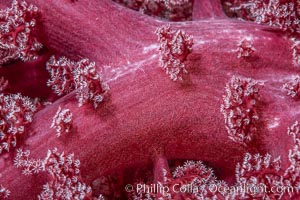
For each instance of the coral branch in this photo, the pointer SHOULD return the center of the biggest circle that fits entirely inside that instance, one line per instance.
(147, 112)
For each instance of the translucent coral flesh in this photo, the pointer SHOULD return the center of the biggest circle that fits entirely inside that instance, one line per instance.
(146, 114)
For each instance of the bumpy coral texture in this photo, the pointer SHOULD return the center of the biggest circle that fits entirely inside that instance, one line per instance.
(203, 94)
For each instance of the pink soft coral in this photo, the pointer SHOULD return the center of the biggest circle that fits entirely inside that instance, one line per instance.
(147, 120)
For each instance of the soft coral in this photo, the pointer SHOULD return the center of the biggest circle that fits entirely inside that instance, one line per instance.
(147, 114)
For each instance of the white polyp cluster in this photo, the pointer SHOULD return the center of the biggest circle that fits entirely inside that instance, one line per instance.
(292, 177)
(240, 108)
(29, 166)
(292, 87)
(192, 167)
(88, 83)
(245, 48)
(65, 179)
(282, 14)
(82, 76)
(17, 33)
(175, 46)
(294, 131)
(16, 112)
(260, 172)
(61, 78)
(62, 121)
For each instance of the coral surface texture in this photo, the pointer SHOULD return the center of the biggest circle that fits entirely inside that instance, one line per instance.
(150, 99)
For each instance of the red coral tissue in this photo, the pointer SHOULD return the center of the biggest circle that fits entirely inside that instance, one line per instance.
(202, 100)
